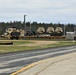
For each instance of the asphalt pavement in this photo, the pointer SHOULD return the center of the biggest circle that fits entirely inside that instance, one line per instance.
(62, 65)
(12, 62)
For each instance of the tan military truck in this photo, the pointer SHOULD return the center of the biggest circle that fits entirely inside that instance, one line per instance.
(50, 30)
(58, 31)
(13, 33)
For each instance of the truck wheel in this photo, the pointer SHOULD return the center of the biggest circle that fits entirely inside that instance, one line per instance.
(17, 38)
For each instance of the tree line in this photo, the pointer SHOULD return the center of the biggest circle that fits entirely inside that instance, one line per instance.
(34, 26)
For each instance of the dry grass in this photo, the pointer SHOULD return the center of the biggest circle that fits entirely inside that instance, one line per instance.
(23, 45)
(39, 43)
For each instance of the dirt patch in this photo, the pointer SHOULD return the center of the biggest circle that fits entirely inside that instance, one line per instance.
(39, 43)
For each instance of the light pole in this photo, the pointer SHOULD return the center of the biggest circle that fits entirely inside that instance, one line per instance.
(24, 24)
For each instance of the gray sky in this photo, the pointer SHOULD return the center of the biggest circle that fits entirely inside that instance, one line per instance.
(63, 11)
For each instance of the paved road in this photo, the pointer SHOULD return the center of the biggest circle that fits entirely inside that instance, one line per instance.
(14, 61)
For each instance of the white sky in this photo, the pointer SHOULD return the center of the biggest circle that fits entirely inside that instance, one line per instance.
(63, 11)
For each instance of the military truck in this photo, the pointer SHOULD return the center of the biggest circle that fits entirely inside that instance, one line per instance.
(13, 33)
(50, 30)
(58, 31)
(30, 33)
(41, 30)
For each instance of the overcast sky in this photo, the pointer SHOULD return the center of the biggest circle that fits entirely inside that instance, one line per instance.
(63, 11)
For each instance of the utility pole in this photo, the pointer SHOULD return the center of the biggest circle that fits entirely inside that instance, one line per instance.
(64, 30)
(75, 29)
(30, 26)
(24, 24)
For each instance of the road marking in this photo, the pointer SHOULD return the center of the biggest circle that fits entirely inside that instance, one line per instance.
(39, 56)
(67, 56)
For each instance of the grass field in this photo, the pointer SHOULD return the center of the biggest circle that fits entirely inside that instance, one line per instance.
(23, 45)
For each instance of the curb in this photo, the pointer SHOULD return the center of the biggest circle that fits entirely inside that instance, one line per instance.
(46, 60)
